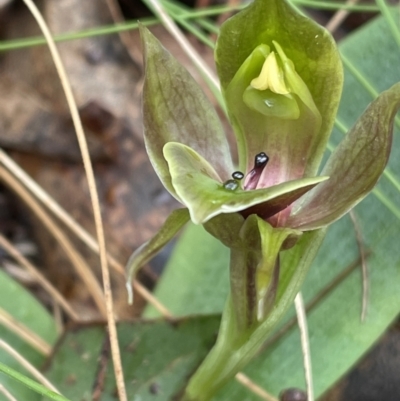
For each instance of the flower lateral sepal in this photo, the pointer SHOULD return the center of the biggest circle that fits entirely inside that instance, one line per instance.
(174, 223)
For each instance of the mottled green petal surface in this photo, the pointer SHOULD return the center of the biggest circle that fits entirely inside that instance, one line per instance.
(199, 188)
(176, 109)
(316, 60)
(354, 167)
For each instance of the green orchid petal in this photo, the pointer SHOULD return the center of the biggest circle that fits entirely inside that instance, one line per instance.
(354, 167)
(312, 70)
(201, 190)
(176, 109)
(175, 221)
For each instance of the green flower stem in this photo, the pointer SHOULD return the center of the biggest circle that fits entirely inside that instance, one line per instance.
(223, 362)
(234, 347)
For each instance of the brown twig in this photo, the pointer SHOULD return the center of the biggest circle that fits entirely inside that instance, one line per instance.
(77, 260)
(305, 344)
(333, 24)
(54, 293)
(24, 333)
(253, 387)
(7, 394)
(27, 365)
(125, 36)
(115, 351)
(76, 228)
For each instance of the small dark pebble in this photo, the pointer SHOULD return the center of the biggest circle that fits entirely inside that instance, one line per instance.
(292, 394)
(154, 388)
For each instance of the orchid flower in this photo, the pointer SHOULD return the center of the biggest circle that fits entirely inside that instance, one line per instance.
(281, 78)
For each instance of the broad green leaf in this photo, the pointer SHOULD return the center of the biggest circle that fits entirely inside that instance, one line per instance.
(197, 185)
(175, 221)
(157, 357)
(315, 58)
(176, 110)
(24, 308)
(354, 167)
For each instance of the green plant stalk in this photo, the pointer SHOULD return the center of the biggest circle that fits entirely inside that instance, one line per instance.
(222, 363)
(235, 348)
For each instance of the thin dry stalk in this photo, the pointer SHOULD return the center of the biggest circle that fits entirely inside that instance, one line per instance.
(305, 344)
(339, 16)
(253, 387)
(172, 28)
(76, 228)
(364, 267)
(24, 333)
(58, 318)
(223, 17)
(53, 292)
(125, 36)
(202, 3)
(119, 374)
(7, 394)
(27, 365)
(77, 260)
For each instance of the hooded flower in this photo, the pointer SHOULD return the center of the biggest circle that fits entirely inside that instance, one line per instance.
(281, 78)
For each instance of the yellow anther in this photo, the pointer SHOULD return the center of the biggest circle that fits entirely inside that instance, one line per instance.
(271, 77)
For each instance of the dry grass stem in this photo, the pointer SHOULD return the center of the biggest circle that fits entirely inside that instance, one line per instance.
(54, 293)
(172, 28)
(77, 260)
(253, 387)
(7, 394)
(223, 17)
(339, 16)
(27, 365)
(24, 333)
(125, 36)
(119, 375)
(305, 344)
(76, 228)
(364, 267)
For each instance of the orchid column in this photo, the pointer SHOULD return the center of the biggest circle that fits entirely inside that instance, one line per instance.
(281, 77)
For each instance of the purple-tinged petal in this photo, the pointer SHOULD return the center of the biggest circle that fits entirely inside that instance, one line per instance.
(354, 167)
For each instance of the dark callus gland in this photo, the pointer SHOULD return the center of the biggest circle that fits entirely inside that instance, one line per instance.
(292, 394)
(231, 185)
(260, 160)
(237, 175)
